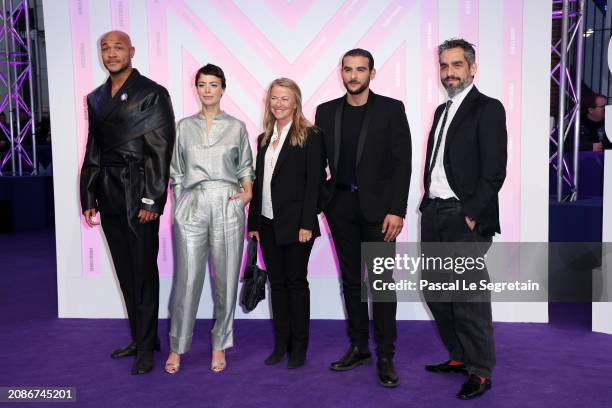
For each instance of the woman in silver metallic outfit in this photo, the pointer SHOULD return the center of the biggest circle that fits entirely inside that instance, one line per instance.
(212, 161)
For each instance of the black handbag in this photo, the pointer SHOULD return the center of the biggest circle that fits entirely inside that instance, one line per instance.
(254, 287)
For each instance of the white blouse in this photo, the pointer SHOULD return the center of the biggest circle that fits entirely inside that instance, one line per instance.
(269, 163)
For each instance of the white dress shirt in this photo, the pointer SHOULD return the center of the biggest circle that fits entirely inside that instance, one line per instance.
(439, 187)
(269, 163)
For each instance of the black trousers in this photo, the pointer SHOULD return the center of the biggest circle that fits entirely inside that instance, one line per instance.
(465, 327)
(349, 229)
(287, 267)
(134, 251)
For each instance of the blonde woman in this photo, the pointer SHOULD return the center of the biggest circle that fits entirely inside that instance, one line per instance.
(212, 161)
(283, 214)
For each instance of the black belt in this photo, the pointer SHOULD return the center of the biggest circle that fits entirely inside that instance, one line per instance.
(445, 200)
(347, 187)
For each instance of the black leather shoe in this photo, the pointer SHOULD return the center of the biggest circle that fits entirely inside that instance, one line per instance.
(387, 376)
(473, 388)
(296, 359)
(446, 367)
(130, 350)
(127, 351)
(275, 358)
(144, 362)
(352, 359)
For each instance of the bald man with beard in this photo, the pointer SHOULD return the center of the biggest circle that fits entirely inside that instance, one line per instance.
(125, 178)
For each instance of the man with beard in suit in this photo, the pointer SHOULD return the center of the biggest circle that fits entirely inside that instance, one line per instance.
(465, 168)
(367, 143)
(125, 177)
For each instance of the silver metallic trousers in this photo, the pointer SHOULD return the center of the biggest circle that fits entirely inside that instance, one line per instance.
(206, 222)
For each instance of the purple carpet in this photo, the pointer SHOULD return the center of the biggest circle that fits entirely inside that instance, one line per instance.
(539, 365)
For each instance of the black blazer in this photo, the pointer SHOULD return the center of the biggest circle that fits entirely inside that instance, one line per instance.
(295, 186)
(475, 156)
(384, 155)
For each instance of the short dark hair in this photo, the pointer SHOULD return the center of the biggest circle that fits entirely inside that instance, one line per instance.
(589, 100)
(467, 47)
(210, 69)
(360, 52)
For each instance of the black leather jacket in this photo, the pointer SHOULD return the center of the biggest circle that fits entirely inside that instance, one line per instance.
(129, 148)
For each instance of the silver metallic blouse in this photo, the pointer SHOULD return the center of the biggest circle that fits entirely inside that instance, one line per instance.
(224, 154)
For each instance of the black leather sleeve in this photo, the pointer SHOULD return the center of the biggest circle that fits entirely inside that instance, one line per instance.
(158, 148)
(89, 173)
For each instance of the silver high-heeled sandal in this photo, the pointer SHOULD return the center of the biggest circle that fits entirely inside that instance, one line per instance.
(172, 368)
(218, 365)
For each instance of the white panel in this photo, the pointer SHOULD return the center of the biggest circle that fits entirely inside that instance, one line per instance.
(291, 41)
(412, 33)
(327, 62)
(535, 103)
(608, 122)
(86, 296)
(448, 21)
(602, 311)
(99, 23)
(535, 124)
(139, 35)
(226, 34)
(61, 100)
(490, 80)
(528, 312)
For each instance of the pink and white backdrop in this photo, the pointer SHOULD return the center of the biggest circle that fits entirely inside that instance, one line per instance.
(257, 41)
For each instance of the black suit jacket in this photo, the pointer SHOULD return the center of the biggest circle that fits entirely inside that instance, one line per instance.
(475, 156)
(295, 185)
(129, 148)
(384, 155)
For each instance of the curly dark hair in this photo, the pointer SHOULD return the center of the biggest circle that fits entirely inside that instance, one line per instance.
(467, 47)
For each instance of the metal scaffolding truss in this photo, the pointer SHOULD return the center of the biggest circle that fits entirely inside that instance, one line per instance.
(570, 45)
(16, 77)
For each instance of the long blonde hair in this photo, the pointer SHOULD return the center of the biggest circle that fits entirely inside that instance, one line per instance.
(300, 125)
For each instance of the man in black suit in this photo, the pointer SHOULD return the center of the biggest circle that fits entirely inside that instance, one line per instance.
(367, 141)
(465, 168)
(125, 176)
